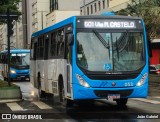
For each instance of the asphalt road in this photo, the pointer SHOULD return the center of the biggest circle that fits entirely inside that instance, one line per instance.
(101, 110)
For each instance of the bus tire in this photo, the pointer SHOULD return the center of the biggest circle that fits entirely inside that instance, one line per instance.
(122, 102)
(64, 101)
(41, 93)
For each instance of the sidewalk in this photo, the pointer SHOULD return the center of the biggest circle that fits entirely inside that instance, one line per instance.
(149, 99)
(156, 98)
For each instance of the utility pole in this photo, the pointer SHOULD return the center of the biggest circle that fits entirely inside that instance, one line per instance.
(8, 36)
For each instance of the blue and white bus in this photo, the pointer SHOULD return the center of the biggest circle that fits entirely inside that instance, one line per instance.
(91, 57)
(19, 64)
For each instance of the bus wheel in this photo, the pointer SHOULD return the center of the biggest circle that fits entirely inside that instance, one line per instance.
(122, 101)
(41, 93)
(65, 102)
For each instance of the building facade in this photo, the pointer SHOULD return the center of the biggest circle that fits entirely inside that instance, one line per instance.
(40, 8)
(62, 9)
(89, 7)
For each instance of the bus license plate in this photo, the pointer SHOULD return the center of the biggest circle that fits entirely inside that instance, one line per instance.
(22, 76)
(113, 96)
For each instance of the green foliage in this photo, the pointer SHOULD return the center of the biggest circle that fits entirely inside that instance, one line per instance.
(11, 4)
(4, 84)
(149, 10)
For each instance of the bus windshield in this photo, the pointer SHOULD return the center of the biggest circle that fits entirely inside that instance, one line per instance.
(110, 52)
(20, 59)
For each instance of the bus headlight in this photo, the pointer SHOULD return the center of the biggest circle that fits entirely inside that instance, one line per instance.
(142, 80)
(82, 81)
(12, 71)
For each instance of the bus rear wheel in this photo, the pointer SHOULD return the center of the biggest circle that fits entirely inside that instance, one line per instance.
(122, 101)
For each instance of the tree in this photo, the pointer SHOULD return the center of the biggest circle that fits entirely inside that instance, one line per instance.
(11, 4)
(149, 10)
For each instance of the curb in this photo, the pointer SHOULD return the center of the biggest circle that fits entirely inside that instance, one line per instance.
(10, 100)
(10, 93)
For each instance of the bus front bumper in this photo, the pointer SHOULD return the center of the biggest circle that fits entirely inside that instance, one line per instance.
(80, 92)
(20, 76)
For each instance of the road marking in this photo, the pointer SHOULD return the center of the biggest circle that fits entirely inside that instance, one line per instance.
(146, 100)
(15, 107)
(42, 105)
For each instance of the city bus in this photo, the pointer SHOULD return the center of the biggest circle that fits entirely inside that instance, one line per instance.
(19, 64)
(91, 57)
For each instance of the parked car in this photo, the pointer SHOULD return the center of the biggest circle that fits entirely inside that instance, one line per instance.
(154, 69)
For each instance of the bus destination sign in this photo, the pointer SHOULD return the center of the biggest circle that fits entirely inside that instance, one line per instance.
(124, 24)
(109, 24)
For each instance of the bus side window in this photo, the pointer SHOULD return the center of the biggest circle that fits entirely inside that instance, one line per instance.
(60, 43)
(68, 50)
(53, 46)
(38, 49)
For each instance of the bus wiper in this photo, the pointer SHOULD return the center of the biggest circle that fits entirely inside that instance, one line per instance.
(101, 39)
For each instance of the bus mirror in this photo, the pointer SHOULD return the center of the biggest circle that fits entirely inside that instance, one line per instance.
(70, 40)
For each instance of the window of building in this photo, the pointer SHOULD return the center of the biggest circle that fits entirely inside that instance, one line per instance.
(99, 5)
(95, 7)
(91, 9)
(56, 4)
(53, 5)
(87, 10)
(103, 4)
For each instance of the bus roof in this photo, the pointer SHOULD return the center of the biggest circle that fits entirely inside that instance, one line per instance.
(55, 26)
(17, 51)
(71, 19)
